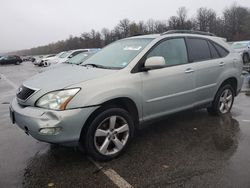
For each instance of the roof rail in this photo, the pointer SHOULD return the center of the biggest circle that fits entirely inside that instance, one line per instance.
(188, 32)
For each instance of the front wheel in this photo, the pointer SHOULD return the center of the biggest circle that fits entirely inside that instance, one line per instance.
(109, 134)
(223, 101)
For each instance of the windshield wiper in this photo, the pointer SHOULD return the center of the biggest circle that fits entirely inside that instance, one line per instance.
(95, 65)
(99, 66)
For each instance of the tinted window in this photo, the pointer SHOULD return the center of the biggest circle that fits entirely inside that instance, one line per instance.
(173, 50)
(198, 49)
(214, 52)
(221, 50)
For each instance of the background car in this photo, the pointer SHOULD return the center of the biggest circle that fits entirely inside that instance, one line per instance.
(76, 60)
(67, 55)
(80, 58)
(243, 48)
(44, 59)
(13, 59)
(37, 59)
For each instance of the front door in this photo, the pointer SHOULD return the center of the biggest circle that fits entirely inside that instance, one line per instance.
(169, 89)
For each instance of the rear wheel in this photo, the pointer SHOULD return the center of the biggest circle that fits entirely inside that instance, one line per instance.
(17, 63)
(223, 101)
(109, 134)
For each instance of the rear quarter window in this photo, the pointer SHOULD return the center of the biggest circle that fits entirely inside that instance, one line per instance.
(222, 51)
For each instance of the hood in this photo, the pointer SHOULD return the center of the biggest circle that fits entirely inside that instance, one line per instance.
(53, 66)
(64, 76)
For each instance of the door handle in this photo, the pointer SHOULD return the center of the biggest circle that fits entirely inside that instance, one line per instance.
(221, 64)
(189, 70)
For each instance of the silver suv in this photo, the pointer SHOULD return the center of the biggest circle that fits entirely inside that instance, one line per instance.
(99, 103)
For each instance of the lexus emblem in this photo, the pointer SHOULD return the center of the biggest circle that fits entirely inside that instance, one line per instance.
(20, 89)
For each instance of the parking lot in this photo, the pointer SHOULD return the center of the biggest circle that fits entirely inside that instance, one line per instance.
(189, 149)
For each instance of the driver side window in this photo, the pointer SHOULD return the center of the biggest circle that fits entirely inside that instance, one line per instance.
(172, 50)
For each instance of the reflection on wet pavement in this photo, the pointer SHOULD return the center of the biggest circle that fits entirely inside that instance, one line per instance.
(188, 144)
(64, 167)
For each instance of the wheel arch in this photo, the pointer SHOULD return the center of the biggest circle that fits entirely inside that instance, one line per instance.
(232, 81)
(122, 102)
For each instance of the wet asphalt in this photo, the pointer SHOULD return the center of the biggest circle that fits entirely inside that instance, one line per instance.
(188, 149)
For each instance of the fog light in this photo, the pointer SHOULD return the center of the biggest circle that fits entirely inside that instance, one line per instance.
(50, 130)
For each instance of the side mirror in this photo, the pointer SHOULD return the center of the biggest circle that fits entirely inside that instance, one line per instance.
(155, 62)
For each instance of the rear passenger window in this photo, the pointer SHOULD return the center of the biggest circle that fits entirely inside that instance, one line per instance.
(198, 49)
(173, 50)
(214, 52)
(221, 50)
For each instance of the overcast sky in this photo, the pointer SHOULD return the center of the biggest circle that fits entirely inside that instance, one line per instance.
(30, 23)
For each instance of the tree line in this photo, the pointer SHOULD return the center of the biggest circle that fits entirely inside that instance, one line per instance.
(233, 24)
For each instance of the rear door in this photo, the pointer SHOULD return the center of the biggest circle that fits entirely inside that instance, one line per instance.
(209, 65)
(169, 89)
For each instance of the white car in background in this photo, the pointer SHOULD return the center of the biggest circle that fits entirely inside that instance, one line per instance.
(45, 61)
(67, 55)
(243, 48)
(40, 61)
(76, 60)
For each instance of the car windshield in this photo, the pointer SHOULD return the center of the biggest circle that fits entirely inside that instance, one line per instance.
(118, 54)
(3, 57)
(65, 54)
(239, 45)
(79, 58)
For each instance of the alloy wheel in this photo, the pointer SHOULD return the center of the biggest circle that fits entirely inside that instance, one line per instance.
(226, 101)
(111, 135)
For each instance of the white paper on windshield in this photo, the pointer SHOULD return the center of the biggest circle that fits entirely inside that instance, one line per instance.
(132, 48)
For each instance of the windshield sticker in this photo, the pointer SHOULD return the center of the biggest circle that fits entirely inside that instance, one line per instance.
(132, 48)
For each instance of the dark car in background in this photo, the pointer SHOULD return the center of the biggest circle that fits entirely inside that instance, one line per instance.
(12, 59)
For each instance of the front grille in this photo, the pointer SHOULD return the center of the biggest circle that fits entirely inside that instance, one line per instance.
(24, 93)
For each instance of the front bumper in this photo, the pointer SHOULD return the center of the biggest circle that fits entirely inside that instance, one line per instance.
(33, 119)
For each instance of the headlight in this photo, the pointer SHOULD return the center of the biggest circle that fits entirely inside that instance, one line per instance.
(57, 100)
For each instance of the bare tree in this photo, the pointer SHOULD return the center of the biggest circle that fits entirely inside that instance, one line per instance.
(123, 27)
(206, 19)
(235, 17)
(180, 21)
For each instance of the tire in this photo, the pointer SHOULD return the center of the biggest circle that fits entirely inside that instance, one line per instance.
(109, 134)
(245, 58)
(17, 63)
(223, 101)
